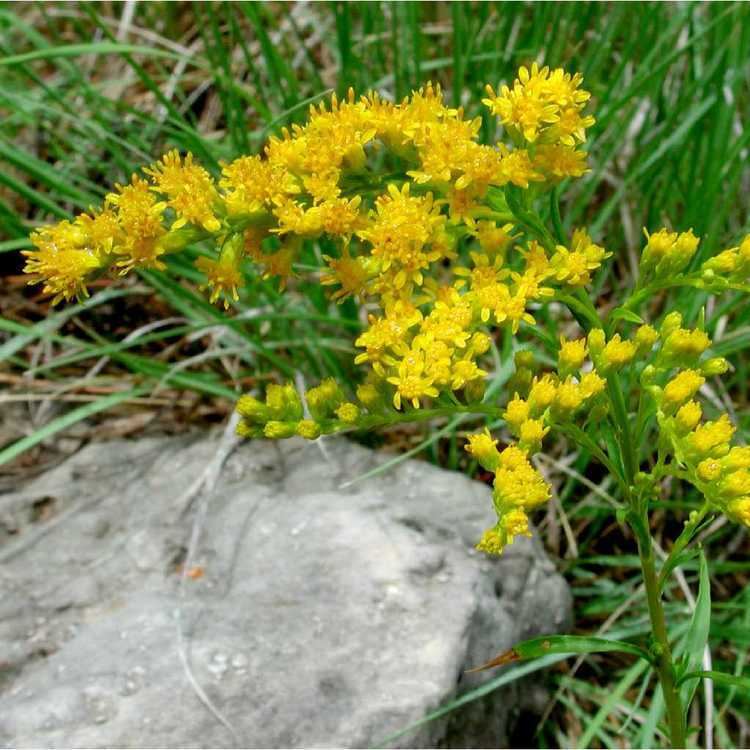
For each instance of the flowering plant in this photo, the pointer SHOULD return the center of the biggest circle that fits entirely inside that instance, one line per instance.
(448, 244)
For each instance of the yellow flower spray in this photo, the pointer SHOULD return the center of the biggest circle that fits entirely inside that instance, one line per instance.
(447, 242)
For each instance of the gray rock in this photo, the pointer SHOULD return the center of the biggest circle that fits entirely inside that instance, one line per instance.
(312, 615)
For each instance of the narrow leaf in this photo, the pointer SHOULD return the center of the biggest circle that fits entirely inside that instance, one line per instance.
(721, 678)
(66, 420)
(561, 644)
(697, 636)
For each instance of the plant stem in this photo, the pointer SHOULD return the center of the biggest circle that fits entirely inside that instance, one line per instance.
(662, 650)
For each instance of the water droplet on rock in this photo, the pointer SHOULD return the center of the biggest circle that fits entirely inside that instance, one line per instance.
(298, 528)
(49, 724)
(100, 706)
(217, 666)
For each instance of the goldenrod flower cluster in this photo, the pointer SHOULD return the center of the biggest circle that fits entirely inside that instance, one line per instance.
(441, 239)
(541, 403)
(701, 449)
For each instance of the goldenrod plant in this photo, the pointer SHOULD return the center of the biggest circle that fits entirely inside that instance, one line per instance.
(448, 243)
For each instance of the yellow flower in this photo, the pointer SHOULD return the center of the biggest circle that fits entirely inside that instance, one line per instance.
(250, 184)
(573, 266)
(685, 345)
(388, 333)
(569, 398)
(223, 275)
(739, 510)
(667, 252)
(516, 413)
(738, 458)
(543, 105)
(493, 239)
(557, 162)
(709, 470)
(517, 483)
(681, 389)
(351, 274)
(412, 383)
(465, 371)
(591, 385)
(618, 352)
(571, 354)
(645, 338)
(400, 233)
(280, 263)
(531, 434)
(542, 393)
(189, 189)
(688, 416)
(492, 542)
(277, 430)
(712, 438)
(139, 215)
(484, 449)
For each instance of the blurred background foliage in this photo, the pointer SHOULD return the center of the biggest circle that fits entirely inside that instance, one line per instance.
(91, 91)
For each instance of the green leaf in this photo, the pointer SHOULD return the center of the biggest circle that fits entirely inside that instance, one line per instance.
(614, 699)
(720, 678)
(562, 644)
(697, 636)
(622, 313)
(93, 48)
(66, 420)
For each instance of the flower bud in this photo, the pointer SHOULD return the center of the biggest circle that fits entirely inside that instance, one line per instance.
(484, 449)
(531, 434)
(284, 402)
(277, 430)
(523, 358)
(247, 429)
(370, 396)
(645, 338)
(617, 352)
(250, 408)
(474, 390)
(324, 399)
(348, 413)
(597, 341)
(688, 416)
(308, 429)
(671, 323)
(681, 388)
(516, 413)
(714, 366)
(571, 355)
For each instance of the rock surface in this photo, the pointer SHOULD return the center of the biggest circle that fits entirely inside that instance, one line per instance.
(307, 615)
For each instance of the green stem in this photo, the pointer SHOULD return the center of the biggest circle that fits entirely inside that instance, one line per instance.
(619, 408)
(662, 650)
(412, 415)
(554, 205)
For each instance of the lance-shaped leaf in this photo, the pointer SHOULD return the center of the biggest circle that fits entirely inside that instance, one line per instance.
(562, 644)
(697, 637)
(720, 678)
